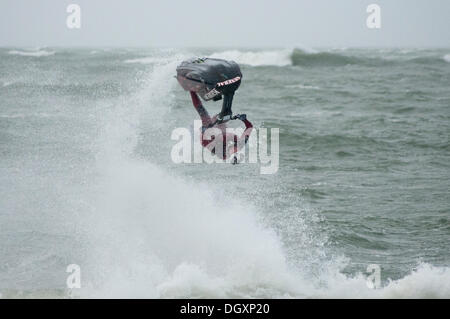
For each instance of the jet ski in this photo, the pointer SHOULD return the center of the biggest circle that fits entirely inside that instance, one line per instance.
(210, 78)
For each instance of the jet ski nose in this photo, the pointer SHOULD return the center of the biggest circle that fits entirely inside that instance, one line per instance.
(210, 78)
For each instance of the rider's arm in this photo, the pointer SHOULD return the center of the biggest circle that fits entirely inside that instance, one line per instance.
(195, 100)
(248, 130)
(204, 116)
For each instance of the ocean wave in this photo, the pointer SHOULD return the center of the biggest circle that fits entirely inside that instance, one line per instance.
(427, 60)
(22, 116)
(147, 60)
(163, 236)
(303, 87)
(160, 60)
(7, 83)
(151, 233)
(189, 280)
(312, 58)
(286, 57)
(255, 58)
(303, 58)
(300, 57)
(426, 281)
(39, 53)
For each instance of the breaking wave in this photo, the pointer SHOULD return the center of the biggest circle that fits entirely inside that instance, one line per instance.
(298, 57)
(7, 83)
(303, 87)
(302, 58)
(257, 58)
(159, 235)
(331, 58)
(426, 281)
(151, 233)
(311, 58)
(147, 60)
(38, 53)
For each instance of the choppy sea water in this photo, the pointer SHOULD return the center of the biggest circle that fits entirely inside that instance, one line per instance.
(86, 176)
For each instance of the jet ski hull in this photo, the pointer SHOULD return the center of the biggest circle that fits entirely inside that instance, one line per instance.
(209, 78)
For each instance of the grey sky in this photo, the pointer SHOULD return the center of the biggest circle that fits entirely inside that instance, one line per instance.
(241, 23)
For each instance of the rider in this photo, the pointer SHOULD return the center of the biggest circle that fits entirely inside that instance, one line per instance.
(218, 121)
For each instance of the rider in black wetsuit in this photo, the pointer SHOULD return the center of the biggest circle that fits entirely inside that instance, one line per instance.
(237, 142)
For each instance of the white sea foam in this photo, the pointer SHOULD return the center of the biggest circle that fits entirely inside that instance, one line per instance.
(179, 242)
(158, 235)
(39, 53)
(148, 232)
(7, 83)
(154, 234)
(257, 58)
(22, 116)
(303, 87)
(147, 60)
(424, 282)
(447, 58)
